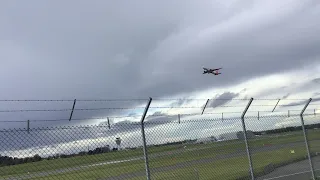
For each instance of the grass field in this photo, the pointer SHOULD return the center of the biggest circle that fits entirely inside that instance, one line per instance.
(218, 160)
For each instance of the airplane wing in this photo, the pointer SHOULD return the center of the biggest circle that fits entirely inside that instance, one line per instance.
(217, 69)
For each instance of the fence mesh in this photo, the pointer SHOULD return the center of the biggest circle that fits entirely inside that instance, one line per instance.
(205, 146)
(192, 142)
(312, 124)
(277, 148)
(88, 152)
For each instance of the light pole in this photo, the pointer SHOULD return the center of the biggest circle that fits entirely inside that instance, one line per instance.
(118, 142)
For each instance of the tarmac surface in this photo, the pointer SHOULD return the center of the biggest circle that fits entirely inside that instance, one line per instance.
(295, 171)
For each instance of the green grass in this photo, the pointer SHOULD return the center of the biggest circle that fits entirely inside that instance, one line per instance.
(231, 168)
(227, 168)
(47, 165)
(99, 172)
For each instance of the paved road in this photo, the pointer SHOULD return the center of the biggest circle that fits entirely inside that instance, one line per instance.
(161, 169)
(295, 171)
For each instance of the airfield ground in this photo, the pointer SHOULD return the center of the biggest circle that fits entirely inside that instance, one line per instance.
(217, 160)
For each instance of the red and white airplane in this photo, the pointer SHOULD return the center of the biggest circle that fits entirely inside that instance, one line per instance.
(212, 71)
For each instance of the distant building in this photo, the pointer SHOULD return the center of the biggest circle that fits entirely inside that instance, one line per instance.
(206, 140)
(235, 135)
(228, 136)
(250, 135)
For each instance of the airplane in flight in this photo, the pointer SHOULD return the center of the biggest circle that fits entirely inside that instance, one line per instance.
(212, 71)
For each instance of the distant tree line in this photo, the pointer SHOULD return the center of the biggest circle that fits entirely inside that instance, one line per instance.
(175, 143)
(250, 134)
(8, 161)
(287, 129)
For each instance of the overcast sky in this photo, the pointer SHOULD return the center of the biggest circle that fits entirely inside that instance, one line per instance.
(107, 49)
(138, 49)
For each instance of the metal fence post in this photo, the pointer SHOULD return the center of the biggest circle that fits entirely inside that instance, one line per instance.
(108, 122)
(145, 151)
(275, 105)
(245, 138)
(74, 103)
(205, 106)
(28, 126)
(306, 139)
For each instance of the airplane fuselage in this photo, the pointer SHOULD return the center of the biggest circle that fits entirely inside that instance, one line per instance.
(211, 71)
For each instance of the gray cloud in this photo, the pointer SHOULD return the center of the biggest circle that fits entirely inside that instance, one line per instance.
(316, 80)
(156, 119)
(157, 113)
(285, 96)
(180, 102)
(222, 99)
(300, 103)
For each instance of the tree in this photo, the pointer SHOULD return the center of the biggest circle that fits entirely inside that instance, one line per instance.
(240, 135)
(37, 158)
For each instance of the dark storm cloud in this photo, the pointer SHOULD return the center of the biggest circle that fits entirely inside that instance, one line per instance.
(180, 102)
(157, 113)
(222, 99)
(316, 80)
(156, 119)
(285, 96)
(98, 49)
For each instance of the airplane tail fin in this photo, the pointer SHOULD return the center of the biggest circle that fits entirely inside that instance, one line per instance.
(205, 70)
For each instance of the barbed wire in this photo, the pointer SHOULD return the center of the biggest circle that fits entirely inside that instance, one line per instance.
(82, 109)
(189, 99)
(34, 100)
(68, 100)
(151, 107)
(145, 99)
(54, 128)
(155, 122)
(157, 115)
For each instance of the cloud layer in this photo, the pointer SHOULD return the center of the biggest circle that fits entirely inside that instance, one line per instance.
(102, 49)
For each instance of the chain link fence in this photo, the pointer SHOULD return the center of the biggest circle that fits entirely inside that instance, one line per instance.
(172, 145)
